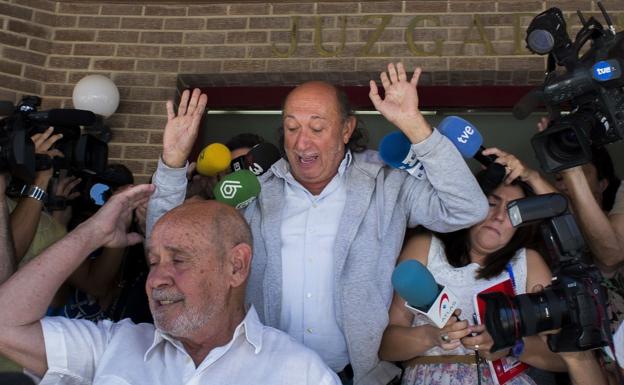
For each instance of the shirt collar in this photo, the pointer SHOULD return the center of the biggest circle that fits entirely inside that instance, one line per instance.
(282, 167)
(250, 326)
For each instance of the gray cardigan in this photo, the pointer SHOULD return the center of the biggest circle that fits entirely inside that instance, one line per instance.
(381, 203)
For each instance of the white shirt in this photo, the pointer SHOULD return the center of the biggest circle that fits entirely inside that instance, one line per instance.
(83, 352)
(308, 233)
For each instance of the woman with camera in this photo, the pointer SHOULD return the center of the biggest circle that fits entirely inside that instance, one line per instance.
(467, 262)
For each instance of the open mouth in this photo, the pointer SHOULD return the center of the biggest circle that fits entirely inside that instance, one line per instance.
(307, 160)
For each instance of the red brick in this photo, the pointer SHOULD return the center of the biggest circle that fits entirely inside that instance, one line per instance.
(23, 56)
(520, 6)
(134, 79)
(204, 38)
(147, 122)
(167, 80)
(47, 47)
(186, 23)
(224, 51)
(216, 23)
(249, 9)
(114, 151)
(293, 9)
(472, 6)
(200, 66)
(132, 107)
(27, 28)
(74, 35)
(79, 9)
(469, 64)
(426, 6)
(244, 66)
(251, 37)
(45, 75)
(141, 23)
(71, 62)
(156, 10)
(158, 65)
(339, 8)
(208, 10)
(118, 37)
(151, 93)
(11, 68)
(270, 23)
(99, 22)
(129, 136)
(181, 52)
(16, 11)
(378, 7)
(161, 37)
(12, 39)
(114, 64)
(341, 64)
(64, 90)
(121, 9)
(521, 63)
(38, 4)
(155, 137)
(52, 20)
(94, 49)
(20, 84)
(140, 51)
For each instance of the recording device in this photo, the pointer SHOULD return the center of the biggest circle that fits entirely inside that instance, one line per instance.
(469, 142)
(258, 160)
(17, 152)
(574, 303)
(237, 189)
(213, 159)
(423, 295)
(395, 149)
(590, 86)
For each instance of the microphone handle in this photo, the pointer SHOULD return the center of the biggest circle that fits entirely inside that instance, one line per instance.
(485, 160)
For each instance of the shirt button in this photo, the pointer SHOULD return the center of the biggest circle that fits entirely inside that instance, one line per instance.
(309, 330)
(309, 295)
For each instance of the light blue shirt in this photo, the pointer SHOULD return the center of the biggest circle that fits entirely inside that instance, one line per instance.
(308, 233)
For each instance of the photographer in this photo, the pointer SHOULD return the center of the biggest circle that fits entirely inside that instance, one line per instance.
(33, 229)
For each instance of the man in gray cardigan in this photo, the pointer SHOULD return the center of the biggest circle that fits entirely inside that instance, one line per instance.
(330, 221)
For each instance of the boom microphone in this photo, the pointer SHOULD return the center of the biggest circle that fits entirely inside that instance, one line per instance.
(258, 160)
(422, 294)
(237, 189)
(213, 159)
(63, 117)
(528, 103)
(396, 150)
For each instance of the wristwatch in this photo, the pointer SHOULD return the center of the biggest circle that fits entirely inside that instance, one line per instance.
(33, 191)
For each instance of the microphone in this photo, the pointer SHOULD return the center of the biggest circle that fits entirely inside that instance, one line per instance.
(422, 294)
(63, 117)
(15, 378)
(237, 189)
(395, 149)
(213, 159)
(469, 142)
(258, 160)
(528, 103)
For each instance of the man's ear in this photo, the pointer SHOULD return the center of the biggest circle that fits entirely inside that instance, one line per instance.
(239, 264)
(348, 128)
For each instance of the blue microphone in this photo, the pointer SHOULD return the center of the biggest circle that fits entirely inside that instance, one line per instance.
(423, 295)
(396, 151)
(466, 138)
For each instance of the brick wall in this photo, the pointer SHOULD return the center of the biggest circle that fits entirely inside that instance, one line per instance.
(47, 46)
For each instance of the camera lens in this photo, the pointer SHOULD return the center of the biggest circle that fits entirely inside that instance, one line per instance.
(563, 146)
(540, 41)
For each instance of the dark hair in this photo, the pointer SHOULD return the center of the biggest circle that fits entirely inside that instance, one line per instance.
(359, 138)
(117, 175)
(457, 244)
(604, 170)
(246, 139)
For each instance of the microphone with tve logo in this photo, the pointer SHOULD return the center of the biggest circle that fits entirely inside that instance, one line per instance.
(396, 150)
(237, 189)
(258, 160)
(422, 294)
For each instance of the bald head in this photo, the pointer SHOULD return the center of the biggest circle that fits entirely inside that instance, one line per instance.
(330, 95)
(220, 225)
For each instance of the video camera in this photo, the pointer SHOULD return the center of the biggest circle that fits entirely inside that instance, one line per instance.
(576, 300)
(590, 86)
(82, 152)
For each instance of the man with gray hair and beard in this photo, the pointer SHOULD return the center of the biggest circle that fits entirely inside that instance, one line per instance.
(199, 265)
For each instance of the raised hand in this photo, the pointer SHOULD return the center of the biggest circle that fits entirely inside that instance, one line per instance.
(181, 129)
(109, 224)
(400, 104)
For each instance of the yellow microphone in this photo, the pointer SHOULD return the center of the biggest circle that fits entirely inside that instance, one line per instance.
(213, 159)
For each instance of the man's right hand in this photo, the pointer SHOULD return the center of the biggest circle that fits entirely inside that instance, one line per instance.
(109, 224)
(181, 129)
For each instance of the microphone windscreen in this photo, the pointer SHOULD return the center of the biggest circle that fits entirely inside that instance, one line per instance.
(415, 284)
(213, 159)
(6, 108)
(466, 138)
(261, 157)
(237, 189)
(64, 117)
(394, 149)
(528, 103)
(490, 178)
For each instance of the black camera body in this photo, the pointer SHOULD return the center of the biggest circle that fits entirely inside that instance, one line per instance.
(589, 86)
(82, 152)
(575, 303)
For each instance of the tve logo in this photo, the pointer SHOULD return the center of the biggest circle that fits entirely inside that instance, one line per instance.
(606, 70)
(466, 134)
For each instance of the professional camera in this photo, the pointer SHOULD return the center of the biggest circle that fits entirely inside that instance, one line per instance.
(575, 303)
(590, 86)
(17, 153)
